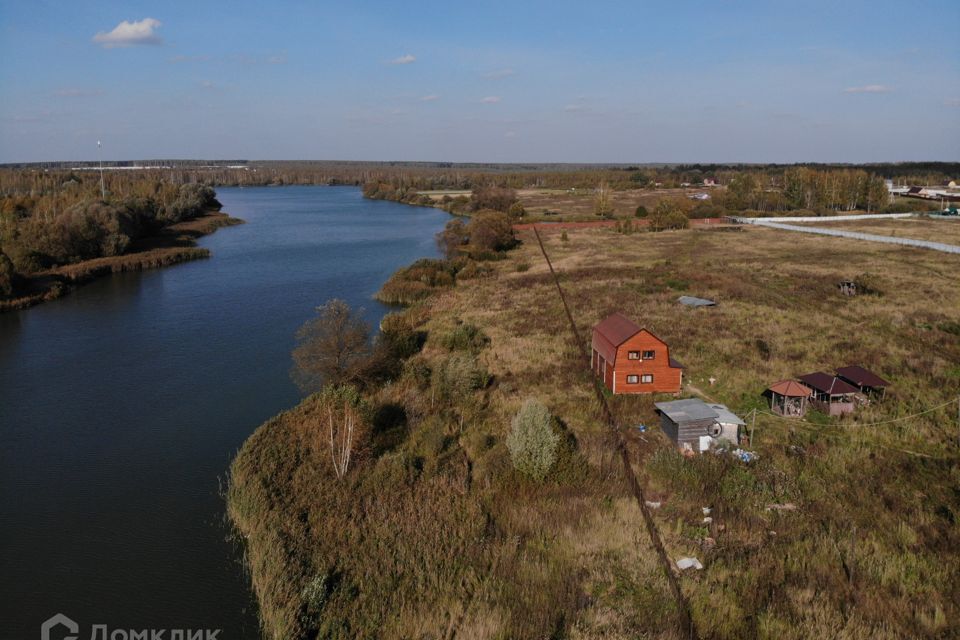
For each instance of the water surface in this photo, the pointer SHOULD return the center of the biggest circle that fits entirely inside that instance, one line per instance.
(122, 404)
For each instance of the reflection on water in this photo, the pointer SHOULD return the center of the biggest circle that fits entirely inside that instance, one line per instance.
(122, 403)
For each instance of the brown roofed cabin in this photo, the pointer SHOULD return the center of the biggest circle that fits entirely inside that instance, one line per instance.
(867, 381)
(831, 395)
(632, 360)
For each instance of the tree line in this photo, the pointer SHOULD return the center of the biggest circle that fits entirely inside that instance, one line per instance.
(66, 219)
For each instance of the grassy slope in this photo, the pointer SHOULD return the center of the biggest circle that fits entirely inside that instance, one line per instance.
(437, 536)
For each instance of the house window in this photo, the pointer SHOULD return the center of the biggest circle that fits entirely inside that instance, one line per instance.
(649, 355)
(634, 379)
(646, 378)
(633, 355)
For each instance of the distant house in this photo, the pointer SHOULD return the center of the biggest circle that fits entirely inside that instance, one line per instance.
(694, 425)
(789, 398)
(865, 380)
(831, 395)
(709, 182)
(630, 359)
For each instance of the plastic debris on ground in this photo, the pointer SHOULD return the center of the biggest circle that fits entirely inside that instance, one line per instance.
(642, 428)
(745, 456)
(689, 563)
(707, 520)
(787, 506)
(653, 505)
(706, 510)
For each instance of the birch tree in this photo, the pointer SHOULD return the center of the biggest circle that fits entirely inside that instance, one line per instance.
(342, 425)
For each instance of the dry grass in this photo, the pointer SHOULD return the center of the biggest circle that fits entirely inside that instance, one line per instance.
(438, 536)
(934, 229)
(578, 204)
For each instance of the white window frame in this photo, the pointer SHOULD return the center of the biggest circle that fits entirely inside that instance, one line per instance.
(646, 378)
(634, 355)
(652, 352)
(633, 379)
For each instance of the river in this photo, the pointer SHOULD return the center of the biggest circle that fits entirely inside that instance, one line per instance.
(122, 404)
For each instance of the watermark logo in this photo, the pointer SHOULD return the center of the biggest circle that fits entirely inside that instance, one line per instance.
(51, 630)
(56, 621)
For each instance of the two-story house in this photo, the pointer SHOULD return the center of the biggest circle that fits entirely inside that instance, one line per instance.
(630, 359)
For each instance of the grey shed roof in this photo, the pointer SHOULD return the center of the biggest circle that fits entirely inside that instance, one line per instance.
(691, 301)
(687, 410)
(725, 416)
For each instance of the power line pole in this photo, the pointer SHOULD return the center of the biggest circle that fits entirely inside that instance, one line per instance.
(753, 424)
(103, 192)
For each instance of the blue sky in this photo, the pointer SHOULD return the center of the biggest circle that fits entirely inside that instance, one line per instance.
(492, 81)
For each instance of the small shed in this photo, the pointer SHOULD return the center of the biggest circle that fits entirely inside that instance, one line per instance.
(789, 398)
(692, 301)
(694, 425)
(831, 395)
(865, 380)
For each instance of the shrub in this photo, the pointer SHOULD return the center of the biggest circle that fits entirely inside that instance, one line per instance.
(641, 212)
(532, 441)
(495, 198)
(490, 231)
(465, 337)
(667, 215)
(7, 276)
(517, 210)
(457, 377)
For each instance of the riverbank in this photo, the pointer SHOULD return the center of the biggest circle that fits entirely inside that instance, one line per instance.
(435, 534)
(174, 244)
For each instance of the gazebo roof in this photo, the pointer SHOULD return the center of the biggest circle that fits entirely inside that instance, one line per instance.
(790, 389)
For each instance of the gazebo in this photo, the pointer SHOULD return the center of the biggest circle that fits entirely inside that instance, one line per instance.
(789, 398)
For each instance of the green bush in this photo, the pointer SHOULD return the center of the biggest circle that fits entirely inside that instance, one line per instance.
(532, 441)
(465, 337)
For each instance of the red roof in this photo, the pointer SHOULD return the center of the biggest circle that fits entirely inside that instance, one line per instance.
(861, 377)
(825, 383)
(617, 328)
(790, 389)
(612, 332)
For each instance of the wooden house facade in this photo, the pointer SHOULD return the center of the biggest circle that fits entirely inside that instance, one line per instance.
(630, 359)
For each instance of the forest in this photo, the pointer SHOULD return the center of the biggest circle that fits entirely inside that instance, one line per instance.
(66, 218)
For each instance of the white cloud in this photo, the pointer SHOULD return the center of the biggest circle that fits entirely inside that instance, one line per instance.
(573, 108)
(499, 73)
(952, 102)
(208, 84)
(404, 59)
(430, 98)
(510, 134)
(127, 34)
(869, 88)
(277, 59)
(491, 100)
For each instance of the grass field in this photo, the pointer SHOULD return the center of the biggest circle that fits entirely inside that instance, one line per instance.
(435, 535)
(578, 204)
(920, 228)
